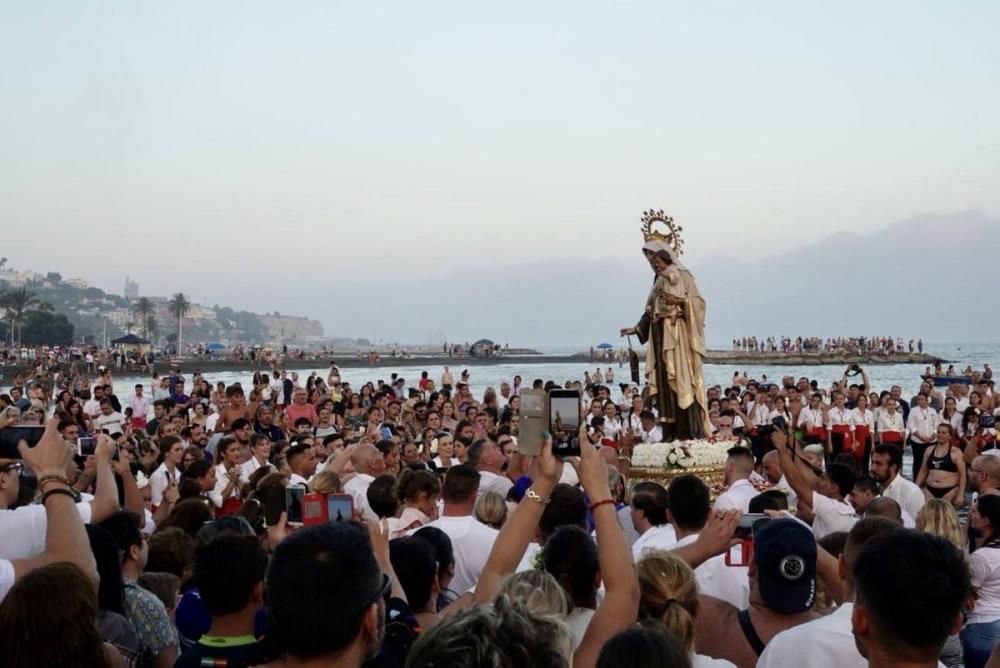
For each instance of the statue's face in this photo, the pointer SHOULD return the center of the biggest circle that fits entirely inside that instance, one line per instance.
(656, 262)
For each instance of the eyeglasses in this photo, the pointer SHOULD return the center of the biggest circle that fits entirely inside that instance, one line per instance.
(16, 467)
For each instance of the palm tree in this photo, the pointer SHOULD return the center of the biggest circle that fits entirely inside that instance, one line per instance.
(151, 326)
(3, 263)
(144, 308)
(178, 307)
(17, 302)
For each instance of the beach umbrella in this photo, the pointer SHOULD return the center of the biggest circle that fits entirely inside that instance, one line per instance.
(215, 345)
(604, 346)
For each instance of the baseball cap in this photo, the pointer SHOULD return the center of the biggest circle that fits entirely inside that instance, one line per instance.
(785, 552)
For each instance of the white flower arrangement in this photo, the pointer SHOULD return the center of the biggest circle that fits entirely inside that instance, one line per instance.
(681, 454)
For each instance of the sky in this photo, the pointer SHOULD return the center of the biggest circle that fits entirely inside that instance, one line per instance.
(256, 154)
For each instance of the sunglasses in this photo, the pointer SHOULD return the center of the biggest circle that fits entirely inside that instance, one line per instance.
(16, 467)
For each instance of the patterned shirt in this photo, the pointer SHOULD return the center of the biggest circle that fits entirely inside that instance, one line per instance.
(149, 618)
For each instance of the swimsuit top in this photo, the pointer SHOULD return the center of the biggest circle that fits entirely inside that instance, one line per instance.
(945, 463)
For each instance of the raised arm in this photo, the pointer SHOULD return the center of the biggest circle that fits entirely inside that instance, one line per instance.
(65, 537)
(105, 503)
(620, 606)
(509, 547)
(796, 478)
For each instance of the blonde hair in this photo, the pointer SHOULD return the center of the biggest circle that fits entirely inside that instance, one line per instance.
(668, 595)
(491, 509)
(325, 482)
(537, 590)
(938, 517)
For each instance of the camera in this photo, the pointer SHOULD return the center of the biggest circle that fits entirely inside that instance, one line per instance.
(777, 423)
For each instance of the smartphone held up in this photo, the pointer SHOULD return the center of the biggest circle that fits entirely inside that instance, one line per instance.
(558, 412)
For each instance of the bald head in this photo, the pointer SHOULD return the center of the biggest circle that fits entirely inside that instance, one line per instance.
(364, 459)
(989, 467)
(772, 466)
(885, 507)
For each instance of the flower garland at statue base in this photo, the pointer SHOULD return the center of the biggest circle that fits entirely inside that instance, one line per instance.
(662, 462)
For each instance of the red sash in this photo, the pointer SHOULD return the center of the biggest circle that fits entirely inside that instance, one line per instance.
(845, 430)
(230, 506)
(818, 432)
(892, 437)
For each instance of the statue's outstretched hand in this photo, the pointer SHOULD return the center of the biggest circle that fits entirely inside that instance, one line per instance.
(627, 331)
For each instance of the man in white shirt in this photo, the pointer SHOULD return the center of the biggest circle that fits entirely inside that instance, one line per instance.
(829, 640)
(771, 465)
(739, 466)
(92, 407)
(651, 432)
(139, 404)
(689, 508)
(301, 460)
(368, 463)
(649, 517)
(887, 467)
(487, 457)
(109, 420)
(826, 495)
(922, 425)
(260, 453)
(471, 540)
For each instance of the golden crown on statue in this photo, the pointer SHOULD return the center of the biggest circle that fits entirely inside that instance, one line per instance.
(672, 236)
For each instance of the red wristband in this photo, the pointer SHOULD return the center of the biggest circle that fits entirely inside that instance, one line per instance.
(598, 504)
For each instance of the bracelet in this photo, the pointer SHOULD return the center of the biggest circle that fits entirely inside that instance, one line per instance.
(533, 495)
(49, 478)
(598, 504)
(73, 494)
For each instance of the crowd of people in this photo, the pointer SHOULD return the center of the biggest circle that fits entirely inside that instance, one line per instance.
(874, 345)
(137, 526)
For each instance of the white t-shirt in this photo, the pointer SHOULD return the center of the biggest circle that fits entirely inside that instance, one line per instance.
(358, 488)
(471, 541)
(663, 537)
(984, 564)
(831, 515)
(909, 497)
(491, 482)
(823, 642)
(6, 577)
(715, 578)
(22, 530)
(113, 422)
(737, 496)
(160, 479)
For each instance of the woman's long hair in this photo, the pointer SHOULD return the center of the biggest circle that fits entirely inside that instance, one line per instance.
(938, 517)
(49, 618)
(668, 595)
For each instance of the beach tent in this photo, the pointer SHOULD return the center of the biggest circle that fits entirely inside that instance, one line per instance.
(132, 342)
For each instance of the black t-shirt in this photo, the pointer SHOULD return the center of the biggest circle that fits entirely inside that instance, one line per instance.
(235, 652)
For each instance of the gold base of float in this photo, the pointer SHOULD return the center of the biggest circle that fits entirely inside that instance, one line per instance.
(713, 476)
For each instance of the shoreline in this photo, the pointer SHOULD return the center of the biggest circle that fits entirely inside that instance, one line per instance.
(188, 365)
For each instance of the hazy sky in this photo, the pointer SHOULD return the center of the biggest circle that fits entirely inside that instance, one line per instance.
(240, 150)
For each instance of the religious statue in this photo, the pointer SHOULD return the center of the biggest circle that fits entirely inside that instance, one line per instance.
(673, 327)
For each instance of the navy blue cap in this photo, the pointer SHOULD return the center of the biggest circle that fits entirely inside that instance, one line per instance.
(785, 553)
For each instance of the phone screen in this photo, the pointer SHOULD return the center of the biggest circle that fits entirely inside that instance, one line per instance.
(564, 423)
(340, 507)
(11, 436)
(293, 503)
(86, 445)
